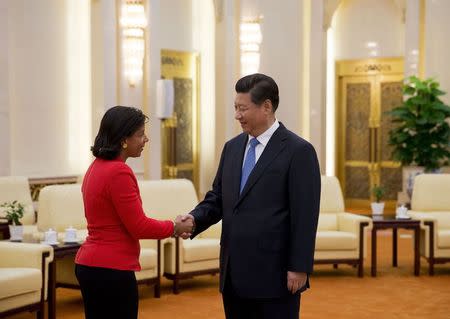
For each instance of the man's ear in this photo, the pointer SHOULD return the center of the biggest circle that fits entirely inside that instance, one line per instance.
(268, 105)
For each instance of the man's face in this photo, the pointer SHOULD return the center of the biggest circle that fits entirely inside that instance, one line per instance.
(254, 119)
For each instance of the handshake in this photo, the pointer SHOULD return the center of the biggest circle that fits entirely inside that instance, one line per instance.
(183, 226)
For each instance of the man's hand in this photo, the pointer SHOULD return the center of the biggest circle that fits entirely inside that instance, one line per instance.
(188, 217)
(183, 227)
(296, 280)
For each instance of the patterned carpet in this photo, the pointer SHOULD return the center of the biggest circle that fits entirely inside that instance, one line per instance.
(335, 293)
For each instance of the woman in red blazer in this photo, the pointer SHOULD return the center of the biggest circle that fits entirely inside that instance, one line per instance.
(107, 260)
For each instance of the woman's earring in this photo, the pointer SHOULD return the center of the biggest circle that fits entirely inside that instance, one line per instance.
(124, 145)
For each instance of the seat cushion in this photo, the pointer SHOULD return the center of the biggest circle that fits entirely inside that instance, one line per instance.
(443, 238)
(336, 240)
(17, 281)
(148, 258)
(201, 249)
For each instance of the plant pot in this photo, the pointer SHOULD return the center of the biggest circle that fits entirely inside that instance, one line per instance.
(16, 232)
(377, 208)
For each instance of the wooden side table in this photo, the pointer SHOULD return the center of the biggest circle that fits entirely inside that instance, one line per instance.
(59, 251)
(4, 229)
(390, 222)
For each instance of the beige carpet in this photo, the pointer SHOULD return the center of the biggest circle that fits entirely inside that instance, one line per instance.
(335, 293)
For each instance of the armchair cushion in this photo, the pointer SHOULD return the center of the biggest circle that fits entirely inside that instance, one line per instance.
(201, 249)
(431, 192)
(444, 239)
(336, 240)
(331, 199)
(17, 281)
(148, 258)
(61, 206)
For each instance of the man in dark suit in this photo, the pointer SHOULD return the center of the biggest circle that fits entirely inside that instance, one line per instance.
(267, 194)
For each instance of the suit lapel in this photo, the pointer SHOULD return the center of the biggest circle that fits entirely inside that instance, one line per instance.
(238, 158)
(273, 148)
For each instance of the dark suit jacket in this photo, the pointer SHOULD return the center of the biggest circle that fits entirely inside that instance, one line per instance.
(269, 228)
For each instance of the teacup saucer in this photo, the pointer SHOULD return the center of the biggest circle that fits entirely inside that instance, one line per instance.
(50, 243)
(402, 217)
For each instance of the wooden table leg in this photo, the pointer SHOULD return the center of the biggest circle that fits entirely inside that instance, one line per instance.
(51, 293)
(417, 250)
(394, 247)
(373, 269)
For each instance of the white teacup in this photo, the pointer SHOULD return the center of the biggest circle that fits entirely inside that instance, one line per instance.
(50, 236)
(402, 212)
(70, 235)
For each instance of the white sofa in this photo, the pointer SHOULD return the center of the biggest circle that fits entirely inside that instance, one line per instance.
(430, 203)
(341, 236)
(61, 206)
(165, 199)
(23, 277)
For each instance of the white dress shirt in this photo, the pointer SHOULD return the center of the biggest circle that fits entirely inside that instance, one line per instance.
(263, 139)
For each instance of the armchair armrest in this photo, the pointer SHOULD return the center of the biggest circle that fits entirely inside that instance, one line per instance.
(426, 219)
(24, 255)
(351, 222)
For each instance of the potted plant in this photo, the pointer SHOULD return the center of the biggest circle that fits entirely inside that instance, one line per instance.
(13, 213)
(378, 205)
(421, 136)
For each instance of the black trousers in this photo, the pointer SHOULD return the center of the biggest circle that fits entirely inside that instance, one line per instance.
(243, 308)
(108, 293)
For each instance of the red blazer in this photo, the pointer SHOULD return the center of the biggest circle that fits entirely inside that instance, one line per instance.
(115, 218)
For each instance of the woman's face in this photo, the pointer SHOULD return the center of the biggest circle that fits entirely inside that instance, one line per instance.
(135, 143)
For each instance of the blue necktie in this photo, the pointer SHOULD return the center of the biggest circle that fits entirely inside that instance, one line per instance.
(249, 162)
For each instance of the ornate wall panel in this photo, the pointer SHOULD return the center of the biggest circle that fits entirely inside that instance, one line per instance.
(357, 122)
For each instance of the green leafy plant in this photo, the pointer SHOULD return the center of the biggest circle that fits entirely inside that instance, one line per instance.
(422, 134)
(14, 212)
(378, 192)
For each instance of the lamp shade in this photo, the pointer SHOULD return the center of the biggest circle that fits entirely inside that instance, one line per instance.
(165, 97)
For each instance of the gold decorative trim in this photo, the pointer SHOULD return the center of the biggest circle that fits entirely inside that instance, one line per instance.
(422, 21)
(36, 184)
(372, 67)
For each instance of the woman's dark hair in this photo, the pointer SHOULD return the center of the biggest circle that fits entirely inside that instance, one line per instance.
(118, 123)
(261, 88)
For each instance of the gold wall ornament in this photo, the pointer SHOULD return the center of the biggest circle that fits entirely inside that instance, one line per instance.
(180, 133)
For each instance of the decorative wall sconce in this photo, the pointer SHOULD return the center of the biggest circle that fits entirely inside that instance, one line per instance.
(133, 23)
(250, 38)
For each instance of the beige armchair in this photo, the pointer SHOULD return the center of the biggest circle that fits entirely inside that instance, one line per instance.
(430, 204)
(17, 188)
(341, 236)
(165, 199)
(61, 206)
(23, 277)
